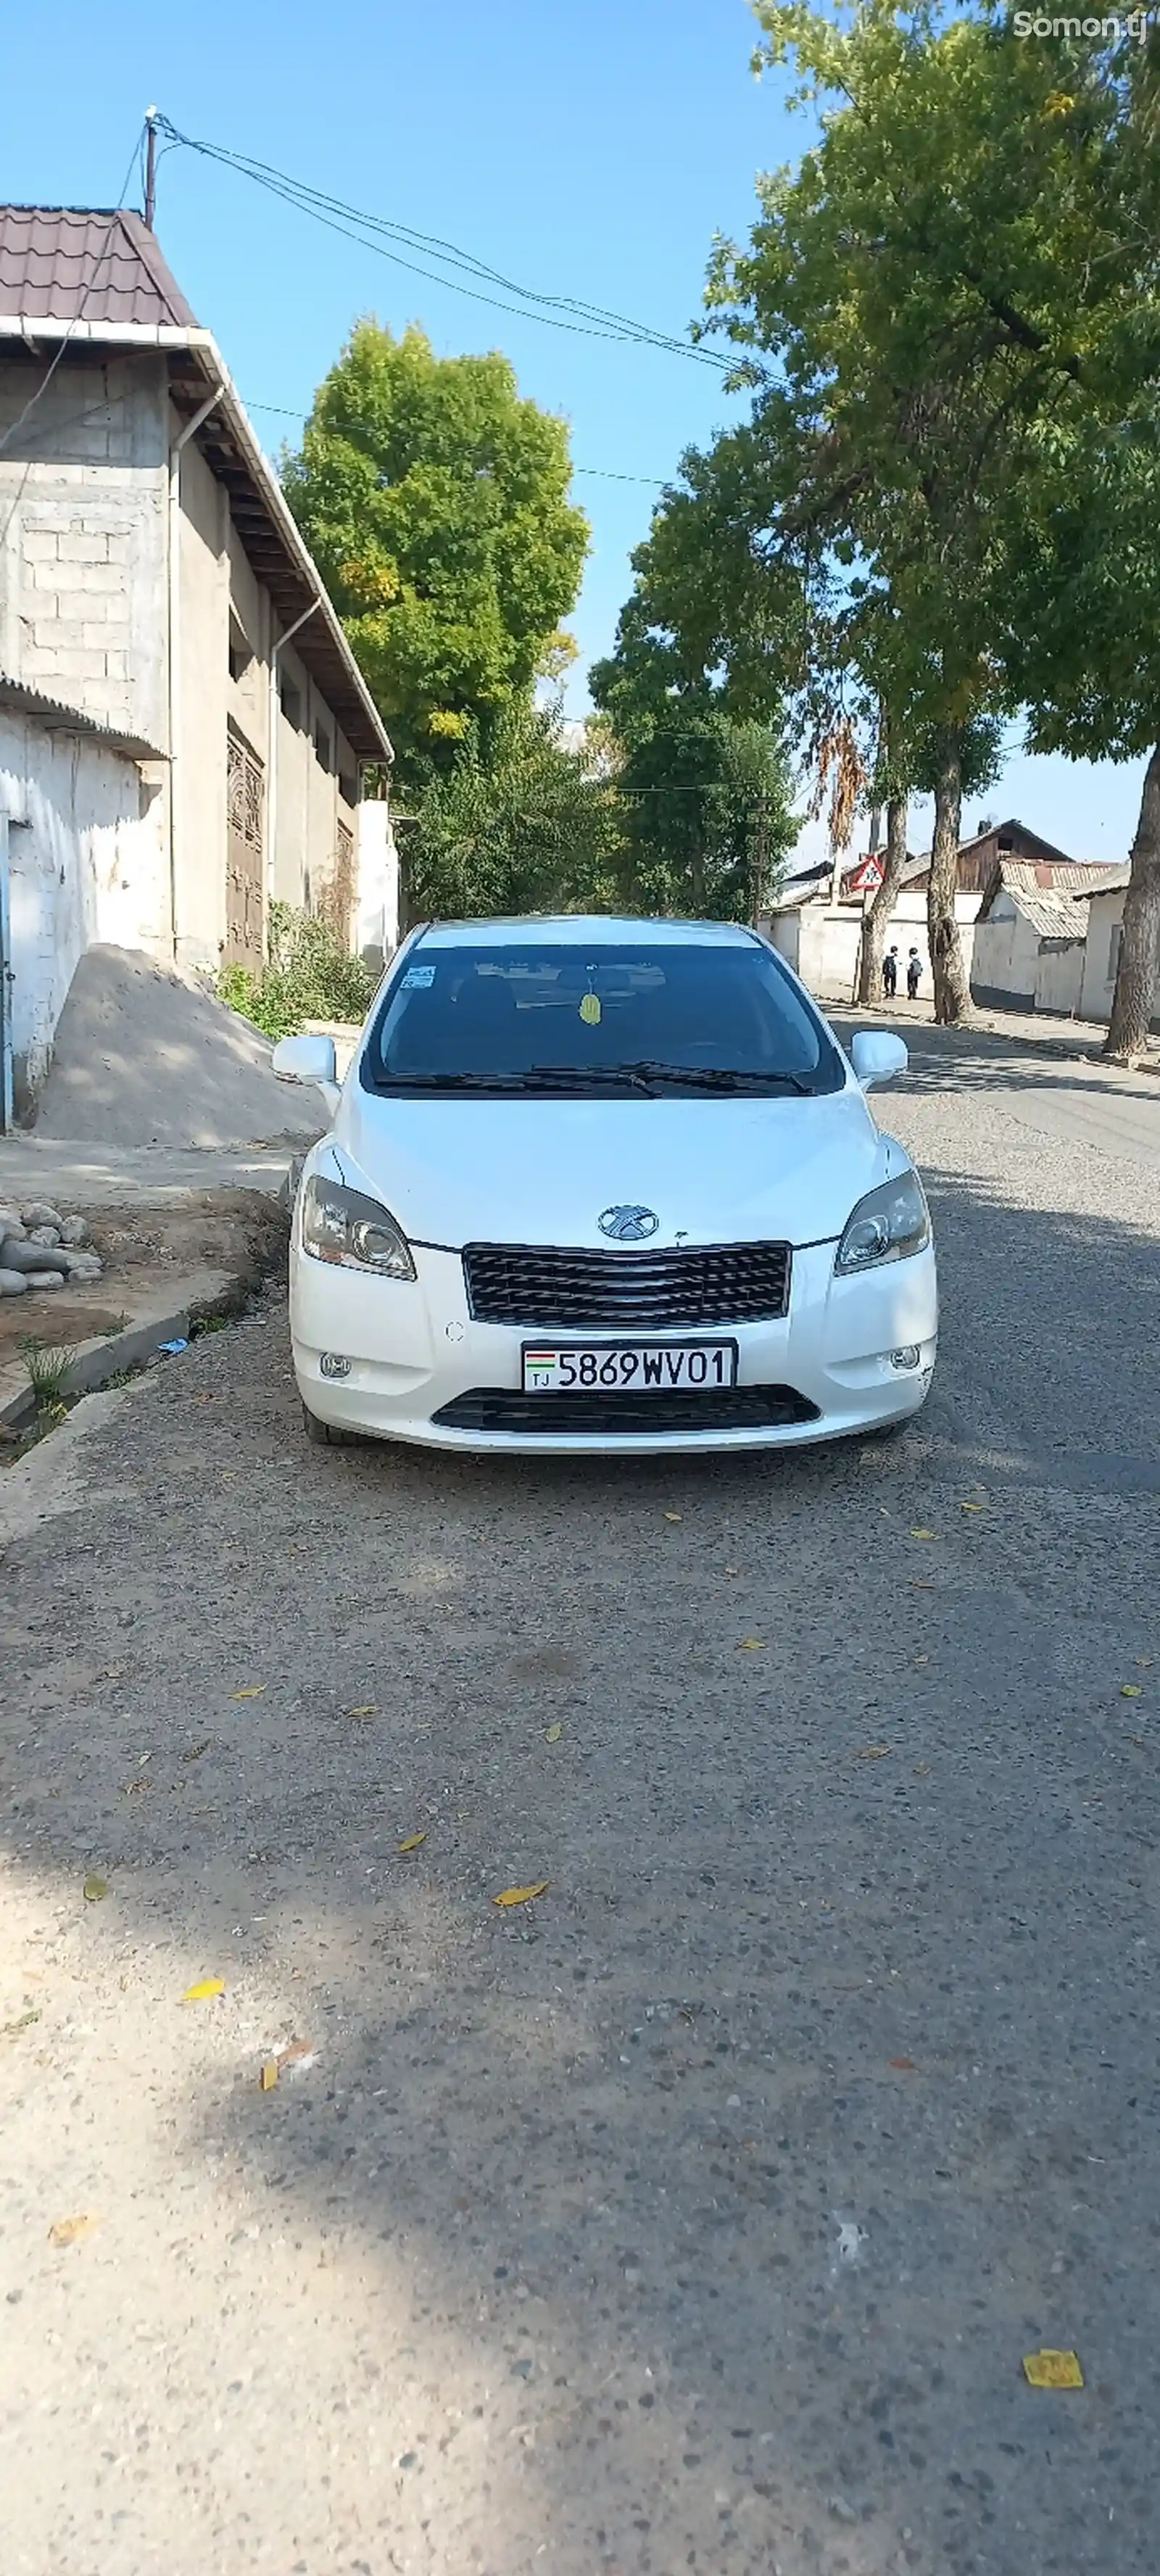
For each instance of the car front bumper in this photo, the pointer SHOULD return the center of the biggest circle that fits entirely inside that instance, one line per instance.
(412, 1348)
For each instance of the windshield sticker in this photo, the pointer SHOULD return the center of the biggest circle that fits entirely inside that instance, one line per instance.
(418, 979)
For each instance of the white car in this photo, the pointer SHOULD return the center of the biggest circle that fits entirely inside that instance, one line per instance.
(601, 1185)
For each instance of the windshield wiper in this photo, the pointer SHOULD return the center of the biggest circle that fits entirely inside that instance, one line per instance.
(582, 1076)
(452, 1081)
(715, 1077)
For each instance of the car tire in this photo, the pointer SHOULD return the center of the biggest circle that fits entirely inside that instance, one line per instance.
(888, 1430)
(327, 1435)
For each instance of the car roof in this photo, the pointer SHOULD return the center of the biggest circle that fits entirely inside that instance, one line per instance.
(585, 930)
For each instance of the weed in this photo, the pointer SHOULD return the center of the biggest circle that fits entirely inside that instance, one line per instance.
(48, 1365)
(202, 1324)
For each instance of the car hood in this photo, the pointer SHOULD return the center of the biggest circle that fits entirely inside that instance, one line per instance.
(543, 1171)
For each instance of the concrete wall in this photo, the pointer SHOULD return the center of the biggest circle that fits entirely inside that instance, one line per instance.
(87, 855)
(82, 566)
(377, 920)
(822, 944)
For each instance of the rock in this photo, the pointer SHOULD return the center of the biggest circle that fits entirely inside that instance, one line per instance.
(74, 1232)
(13, 1283)
(31, 1256)
(44, 1278)
(842, 2509)
(38, 1212)
(12, 1226)
(83, 1265)
(49, 1235)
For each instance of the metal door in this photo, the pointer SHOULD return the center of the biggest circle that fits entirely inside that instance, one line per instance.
(246, 800)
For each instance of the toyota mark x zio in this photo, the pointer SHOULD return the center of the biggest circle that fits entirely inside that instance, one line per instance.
(608, 1185)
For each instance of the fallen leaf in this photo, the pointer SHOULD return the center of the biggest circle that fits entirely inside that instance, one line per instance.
(872, 1753)
(905, 2065)
(137, 1788)
(674, 1516)
(1052, 2370)
(253, 1690)
(24, 2021)
(269, 2075)
(919, 1583)
(751, 1646)
(202, 1993)
(522, 1895)
(368, 1711)
(68, 2231)
(196, 1750)
(412, 1842)
(298, 2052)
(94, 1889)
(1131, 1690)
(972, 1507)
(923, 1533)
(552, 1734)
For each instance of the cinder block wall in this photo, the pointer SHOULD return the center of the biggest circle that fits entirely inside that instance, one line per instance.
(83, 494)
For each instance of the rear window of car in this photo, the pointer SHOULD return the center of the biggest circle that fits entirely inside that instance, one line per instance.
(680, 1013)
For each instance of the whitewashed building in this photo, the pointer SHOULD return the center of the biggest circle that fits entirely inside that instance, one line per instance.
(185, 735)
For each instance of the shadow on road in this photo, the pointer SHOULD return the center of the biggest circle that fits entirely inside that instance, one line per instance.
(697, 2216)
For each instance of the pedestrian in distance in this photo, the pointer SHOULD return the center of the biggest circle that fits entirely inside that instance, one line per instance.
(913, 975)
(890, 974)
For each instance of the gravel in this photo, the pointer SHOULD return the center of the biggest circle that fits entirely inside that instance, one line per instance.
(700, 2213)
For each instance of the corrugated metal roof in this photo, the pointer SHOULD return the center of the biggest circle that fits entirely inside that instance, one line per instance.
(1054, 916)
(1112, 880)
(65, 263)
(17, 699)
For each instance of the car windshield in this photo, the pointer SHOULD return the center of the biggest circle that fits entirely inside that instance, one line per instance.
(697, 1016)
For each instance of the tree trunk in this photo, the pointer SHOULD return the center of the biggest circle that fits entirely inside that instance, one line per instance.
(952, 992)
(1136, 975)
(697, 876)
(877, 921)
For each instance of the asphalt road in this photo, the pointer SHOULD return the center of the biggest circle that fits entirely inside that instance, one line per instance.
(700, 2214)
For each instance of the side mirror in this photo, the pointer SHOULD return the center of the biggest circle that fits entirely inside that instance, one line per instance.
(310, 1059)
(876, 1056)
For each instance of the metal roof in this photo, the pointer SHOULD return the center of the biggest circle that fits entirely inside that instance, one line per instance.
(48, 256)
(62, 263)
(1111, 881)
(53, 717)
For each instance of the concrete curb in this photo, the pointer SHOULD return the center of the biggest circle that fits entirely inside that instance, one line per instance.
(200, 1294)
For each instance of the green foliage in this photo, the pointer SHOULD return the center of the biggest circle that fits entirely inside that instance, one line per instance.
(518, 824)
(309, 976)
(435, 502)
(47, 1365)
(706, 815)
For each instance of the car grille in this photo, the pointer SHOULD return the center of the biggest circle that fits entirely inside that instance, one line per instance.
(733, 1408)
(731, 1283)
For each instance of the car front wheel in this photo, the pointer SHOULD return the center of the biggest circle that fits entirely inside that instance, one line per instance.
(327, 1435)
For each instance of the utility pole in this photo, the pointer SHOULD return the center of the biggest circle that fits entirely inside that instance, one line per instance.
(150, 165)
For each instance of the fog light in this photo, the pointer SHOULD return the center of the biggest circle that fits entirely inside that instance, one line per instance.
(332, 1364)
(907, 1358)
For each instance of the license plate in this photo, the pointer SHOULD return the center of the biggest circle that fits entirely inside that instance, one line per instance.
(602, 1368)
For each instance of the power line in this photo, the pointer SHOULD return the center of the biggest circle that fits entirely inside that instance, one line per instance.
(559, 312)
(608, 473)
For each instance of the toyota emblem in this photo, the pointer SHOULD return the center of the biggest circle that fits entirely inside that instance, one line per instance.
(628, 1224)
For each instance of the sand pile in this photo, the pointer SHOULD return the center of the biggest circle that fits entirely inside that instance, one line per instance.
(145, 1057)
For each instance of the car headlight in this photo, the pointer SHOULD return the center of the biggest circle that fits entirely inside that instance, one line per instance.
(887, 1225)
(342, 1226)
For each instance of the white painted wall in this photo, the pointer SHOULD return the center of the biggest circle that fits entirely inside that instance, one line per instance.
(1101, 956)
(1006, 955)
(377, 860)
(822, 943)
(87, 861)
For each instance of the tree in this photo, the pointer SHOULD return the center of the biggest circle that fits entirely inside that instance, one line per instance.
(519, 824)
(435, 502)
(922, 285)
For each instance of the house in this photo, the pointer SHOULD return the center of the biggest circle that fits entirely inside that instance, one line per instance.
(1104, 933)
(185, 735)
(822, 940)
(1030, 934)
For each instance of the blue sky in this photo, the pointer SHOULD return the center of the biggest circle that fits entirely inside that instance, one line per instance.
(592, 152)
